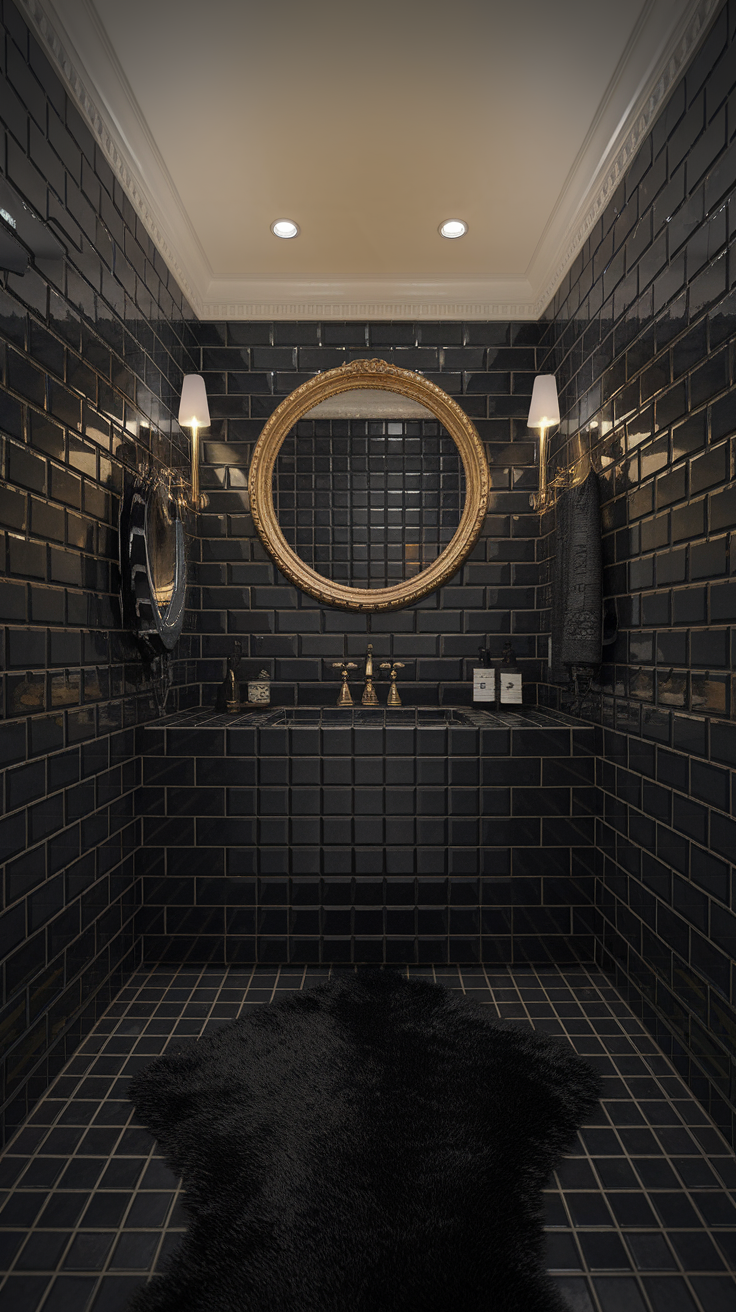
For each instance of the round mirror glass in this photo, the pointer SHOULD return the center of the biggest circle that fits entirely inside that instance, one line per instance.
(368, 502)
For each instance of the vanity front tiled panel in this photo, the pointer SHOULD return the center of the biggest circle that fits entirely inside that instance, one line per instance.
(418, 835)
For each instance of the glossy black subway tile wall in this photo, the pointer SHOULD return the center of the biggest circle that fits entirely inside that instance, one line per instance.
(92, 350)
(642, 337)
(280, 847)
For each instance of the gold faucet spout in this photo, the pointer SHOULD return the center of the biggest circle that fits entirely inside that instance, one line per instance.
(370, 697)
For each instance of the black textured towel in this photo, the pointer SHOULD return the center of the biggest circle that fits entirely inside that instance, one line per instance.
(376, 1144)
(576, 580)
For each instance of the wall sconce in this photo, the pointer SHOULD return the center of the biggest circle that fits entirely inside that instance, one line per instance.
(194, 413)
(544, 412)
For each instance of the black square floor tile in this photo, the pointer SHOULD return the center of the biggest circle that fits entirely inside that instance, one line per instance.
(632, 1209)
(588, 1209)
(650, 1252)
(70, 1294)
(619, 1294)
(714, 1292)
(106, 1209)
(42, 1250)
(603, 1250)
(115, 1292)
(639, 1218)
(135, 1250)
(562, 1252)
(88, 1250)
(24, 1293)
(696, 1250)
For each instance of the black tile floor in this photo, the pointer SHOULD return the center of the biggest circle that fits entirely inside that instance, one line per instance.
(641, 1217)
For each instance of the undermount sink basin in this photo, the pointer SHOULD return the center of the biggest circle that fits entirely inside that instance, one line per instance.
(372, 715)
(366, 717)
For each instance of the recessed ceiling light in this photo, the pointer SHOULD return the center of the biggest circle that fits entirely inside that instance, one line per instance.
(285, 228)
(453, 228)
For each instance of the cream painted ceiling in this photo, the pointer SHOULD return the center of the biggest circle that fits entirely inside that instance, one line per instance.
(369, 124)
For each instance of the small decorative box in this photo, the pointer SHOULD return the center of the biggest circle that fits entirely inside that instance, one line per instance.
(259, 690)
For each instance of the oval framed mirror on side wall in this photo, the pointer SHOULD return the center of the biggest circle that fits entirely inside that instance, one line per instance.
(372, 375)
(153, 565)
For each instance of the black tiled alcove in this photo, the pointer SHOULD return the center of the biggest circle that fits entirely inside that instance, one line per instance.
(489, 370)
(120, 840)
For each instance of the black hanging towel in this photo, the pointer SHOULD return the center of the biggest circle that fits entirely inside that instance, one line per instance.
(576, 580)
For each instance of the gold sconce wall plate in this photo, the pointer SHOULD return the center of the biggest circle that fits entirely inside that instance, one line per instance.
(371, 374)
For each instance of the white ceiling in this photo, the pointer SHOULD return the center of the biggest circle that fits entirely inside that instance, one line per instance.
(369, 125)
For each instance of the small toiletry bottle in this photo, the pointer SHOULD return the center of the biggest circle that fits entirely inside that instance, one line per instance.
(484, 678)
(509, 679)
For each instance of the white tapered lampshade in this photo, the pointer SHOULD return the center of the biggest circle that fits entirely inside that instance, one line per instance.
(545, 407)
(193, 407)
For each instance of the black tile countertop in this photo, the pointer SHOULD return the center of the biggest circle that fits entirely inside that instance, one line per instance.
(201, 717)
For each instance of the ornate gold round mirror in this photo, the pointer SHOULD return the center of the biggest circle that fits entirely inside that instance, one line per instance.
(459, 464)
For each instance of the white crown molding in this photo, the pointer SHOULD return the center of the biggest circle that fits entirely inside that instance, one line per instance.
(663, 41)
(339, 310)
(376, 297)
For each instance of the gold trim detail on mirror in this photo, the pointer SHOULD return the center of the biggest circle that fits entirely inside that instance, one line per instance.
(388, 377)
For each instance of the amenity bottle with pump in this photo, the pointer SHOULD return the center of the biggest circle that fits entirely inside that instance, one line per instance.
(508, 680)
(484, 679)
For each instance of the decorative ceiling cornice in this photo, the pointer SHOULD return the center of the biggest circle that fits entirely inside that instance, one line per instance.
(368, 309)
(679, 51)
(376, 297)
(135, 160)
(111, 144)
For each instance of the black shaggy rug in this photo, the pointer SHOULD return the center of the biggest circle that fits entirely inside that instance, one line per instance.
(375, 1144)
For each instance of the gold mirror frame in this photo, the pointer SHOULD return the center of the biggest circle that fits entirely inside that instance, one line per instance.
(349, 377)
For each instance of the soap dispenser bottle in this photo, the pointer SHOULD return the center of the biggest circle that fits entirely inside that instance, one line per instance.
(484, 678)
(508, 677)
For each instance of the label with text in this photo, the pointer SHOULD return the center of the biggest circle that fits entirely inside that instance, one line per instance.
(484, 685)
(509, 687)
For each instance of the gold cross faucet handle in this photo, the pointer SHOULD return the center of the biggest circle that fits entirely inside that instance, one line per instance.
(393, 695)
(344, 698)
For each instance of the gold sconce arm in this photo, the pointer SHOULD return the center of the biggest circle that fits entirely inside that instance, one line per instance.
(567, 476)
(194, 413)
(195, 469)
(540, 500)
(544, 412)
